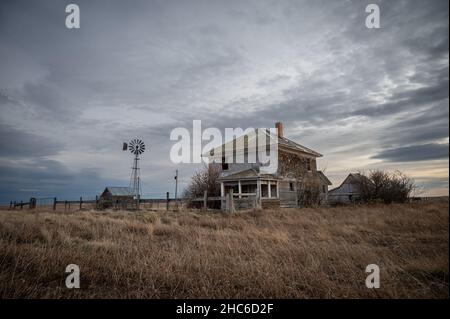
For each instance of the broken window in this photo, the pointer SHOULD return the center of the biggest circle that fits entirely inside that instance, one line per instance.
(264, 190)
(224, 164)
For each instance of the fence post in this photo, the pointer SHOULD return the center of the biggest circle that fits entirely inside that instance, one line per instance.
(167, 201)
(96, 201)
(205, 201)
(10, 204)
(227, 203)
(230, 202)
(81, 202)
(21, 204)
(14, 205)
(32, 203)
(65, 205)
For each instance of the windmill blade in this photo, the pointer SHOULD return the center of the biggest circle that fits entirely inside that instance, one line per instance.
(136, 146)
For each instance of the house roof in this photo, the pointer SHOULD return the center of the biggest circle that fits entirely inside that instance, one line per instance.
(119, 191)
(246, 173)
(283, 142)
(324, 178)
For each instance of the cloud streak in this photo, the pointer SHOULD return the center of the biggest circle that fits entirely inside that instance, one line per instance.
(69, 98)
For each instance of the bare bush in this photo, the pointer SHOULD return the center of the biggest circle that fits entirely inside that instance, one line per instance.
(308, 192)
(204, 180)
(386, 187)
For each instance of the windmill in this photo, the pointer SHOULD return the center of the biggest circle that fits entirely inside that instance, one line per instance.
(136, 147)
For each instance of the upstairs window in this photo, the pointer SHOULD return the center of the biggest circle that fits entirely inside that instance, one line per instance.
(308, 164)
(224, 164)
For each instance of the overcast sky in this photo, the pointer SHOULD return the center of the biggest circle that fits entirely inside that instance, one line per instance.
(364, 98)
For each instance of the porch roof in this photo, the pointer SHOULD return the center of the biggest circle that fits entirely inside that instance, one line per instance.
(247, 174)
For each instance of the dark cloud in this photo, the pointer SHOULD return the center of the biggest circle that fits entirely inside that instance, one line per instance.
(414, 153)
(421, 127)
(19, 144)
(142, 69)
(47, 178)
(408, 99)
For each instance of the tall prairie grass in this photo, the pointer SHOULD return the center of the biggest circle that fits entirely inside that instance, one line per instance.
(286, 253)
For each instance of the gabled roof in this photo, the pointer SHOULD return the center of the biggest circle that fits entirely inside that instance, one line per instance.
(324, 178)
(352, 178)
(118, 191)
(283, 142)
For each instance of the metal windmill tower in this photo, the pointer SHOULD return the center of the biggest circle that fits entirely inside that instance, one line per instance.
(136, 147)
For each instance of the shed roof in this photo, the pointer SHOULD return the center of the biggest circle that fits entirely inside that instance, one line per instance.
(119, 191)
(352, 178)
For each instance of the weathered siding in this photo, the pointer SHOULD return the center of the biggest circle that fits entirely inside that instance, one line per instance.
(293, 165)
(347, 192)
(245, 202)
(288, 198)
(270, 203)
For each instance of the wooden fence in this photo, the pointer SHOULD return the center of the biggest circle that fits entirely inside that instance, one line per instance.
(229, 203)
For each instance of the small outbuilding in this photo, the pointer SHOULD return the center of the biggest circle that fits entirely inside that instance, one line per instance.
(348, 192)
(116, 197)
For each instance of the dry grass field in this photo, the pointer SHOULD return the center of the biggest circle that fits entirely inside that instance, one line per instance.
(288, 253)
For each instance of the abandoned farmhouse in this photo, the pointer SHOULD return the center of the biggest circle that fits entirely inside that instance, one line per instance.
(295, 181)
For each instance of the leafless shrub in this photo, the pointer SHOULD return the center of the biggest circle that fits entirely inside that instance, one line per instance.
(203, 180)
(308, 192)
(386, 187)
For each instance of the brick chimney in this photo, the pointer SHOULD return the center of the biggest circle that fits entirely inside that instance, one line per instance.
(279, 127)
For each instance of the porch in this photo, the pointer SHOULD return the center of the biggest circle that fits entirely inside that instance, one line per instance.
(265, 191)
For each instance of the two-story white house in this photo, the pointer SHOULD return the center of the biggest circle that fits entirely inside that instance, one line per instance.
(288, 184)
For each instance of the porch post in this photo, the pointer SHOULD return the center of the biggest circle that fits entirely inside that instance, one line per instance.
(268, 189)
(222, 196)
(278, 191)
(239, 188)
(258, 192)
